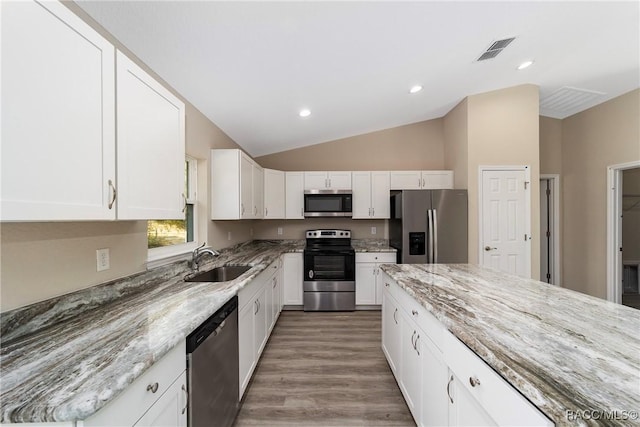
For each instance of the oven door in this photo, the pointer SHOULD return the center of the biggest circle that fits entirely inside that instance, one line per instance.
(329, 270)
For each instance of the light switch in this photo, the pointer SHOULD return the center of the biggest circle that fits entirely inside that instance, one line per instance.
(102, 259)
(279, 231)
(374, 230)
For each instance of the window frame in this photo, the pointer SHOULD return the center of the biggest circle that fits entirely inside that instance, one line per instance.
(166, 254)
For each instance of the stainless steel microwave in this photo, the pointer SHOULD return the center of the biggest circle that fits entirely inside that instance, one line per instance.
(319, 203)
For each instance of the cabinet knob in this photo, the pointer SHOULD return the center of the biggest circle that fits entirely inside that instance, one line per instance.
(414, 312)
(474, 381)
(152, 387)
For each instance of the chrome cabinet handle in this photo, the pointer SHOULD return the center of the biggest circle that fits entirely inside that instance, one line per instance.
(152, 387)
(423, 183)
(186, 400)
(255, 303)
(419, 185)
(242, 208)
(266, 211)
(413, 344)
(255, 210)
(416, 345)
(394, 316)
(113, 194)
(373, 210)
(449, 385)
(489, 248)
(184, 206)
(474, 381)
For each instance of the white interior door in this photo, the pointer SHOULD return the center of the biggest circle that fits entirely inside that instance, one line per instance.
(505, 239)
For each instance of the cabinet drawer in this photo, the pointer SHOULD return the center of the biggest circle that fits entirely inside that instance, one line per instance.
(378, 257)
(500, 400)
(135, 400)
(246, 294)
(425, 320)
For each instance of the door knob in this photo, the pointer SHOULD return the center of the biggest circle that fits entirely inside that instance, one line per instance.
(489, 248)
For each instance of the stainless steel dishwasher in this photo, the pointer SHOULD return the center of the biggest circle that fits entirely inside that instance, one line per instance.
(212, 369)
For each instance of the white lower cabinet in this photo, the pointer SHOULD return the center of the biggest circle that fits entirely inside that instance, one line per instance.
(171, 409)
(292, 278)
(255, 321)
(441, 379)
(157, 398)
(368, 283)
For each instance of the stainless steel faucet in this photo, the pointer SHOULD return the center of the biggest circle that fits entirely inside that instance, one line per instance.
(199, 252)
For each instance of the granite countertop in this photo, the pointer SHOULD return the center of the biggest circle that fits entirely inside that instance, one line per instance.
(563, 350)
(65, 358)
(371, 245)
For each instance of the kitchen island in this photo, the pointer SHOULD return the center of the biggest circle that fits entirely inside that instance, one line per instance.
(573, 356)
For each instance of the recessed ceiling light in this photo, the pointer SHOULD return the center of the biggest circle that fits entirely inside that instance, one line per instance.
(304, 112)
(415, 89)
(524, 65)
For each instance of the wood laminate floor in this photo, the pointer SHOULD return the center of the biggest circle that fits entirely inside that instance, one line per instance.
(324, 369)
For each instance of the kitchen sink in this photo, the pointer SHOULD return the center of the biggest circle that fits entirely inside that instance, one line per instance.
(220, 274)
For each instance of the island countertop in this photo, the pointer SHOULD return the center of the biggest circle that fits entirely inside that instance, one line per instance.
(563, 350)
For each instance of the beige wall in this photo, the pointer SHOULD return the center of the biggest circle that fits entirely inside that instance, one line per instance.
(631, 216)
(503, 129)
(550, 145)
(294, 229)
(415, 146)
(592, 140)
(456, 148)
(43, 260)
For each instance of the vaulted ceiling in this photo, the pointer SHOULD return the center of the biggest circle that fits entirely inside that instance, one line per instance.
(250, 67)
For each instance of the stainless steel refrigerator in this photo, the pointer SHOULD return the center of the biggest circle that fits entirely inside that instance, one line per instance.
(429, 226)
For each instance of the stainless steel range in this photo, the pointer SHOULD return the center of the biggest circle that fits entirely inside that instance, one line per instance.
(329, 271)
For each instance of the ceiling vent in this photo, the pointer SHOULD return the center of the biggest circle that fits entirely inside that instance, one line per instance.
(567, 101)
(495, 48)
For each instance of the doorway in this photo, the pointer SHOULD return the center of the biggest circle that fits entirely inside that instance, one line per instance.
(623, 234)
(550, 229)
(505, 218)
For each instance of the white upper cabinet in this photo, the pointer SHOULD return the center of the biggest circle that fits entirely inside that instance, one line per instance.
(327, 180)
(371, 195)
(236, 185)
(58, 116)
(151, 146)
(274, 194)
(294, 197)
(421, 180)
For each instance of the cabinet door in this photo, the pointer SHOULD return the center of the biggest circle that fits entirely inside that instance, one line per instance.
(58, 115)
(273, 194)
(151, 138)
(411, 366)
(170, 410)
(294, 197)
(225, 184)
(339, 180)
(435, 180)
(365, 283)
(379, 284)
(380, 195)
(246, 346)
(258, 191)
(246, 187)
(434, 385)
(391, 332)
(315, 181)
(260, 321)
(464, 409)
(406, 180)
(362, 195)
(292, 267)
(268, 305)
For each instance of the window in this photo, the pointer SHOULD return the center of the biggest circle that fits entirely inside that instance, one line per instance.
(176, 236)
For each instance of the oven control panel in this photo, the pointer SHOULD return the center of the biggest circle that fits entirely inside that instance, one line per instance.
(328, 234)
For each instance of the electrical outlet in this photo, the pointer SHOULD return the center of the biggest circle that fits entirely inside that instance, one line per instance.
(229, 235)
(279, 231)
(374, 230)
(102, 259)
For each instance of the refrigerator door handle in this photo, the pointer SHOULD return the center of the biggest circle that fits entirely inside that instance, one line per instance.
(435, 236)
(429, 237)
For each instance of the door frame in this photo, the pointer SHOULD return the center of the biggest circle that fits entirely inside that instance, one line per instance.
(614, 229)
(554, 180)
(527, 208)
